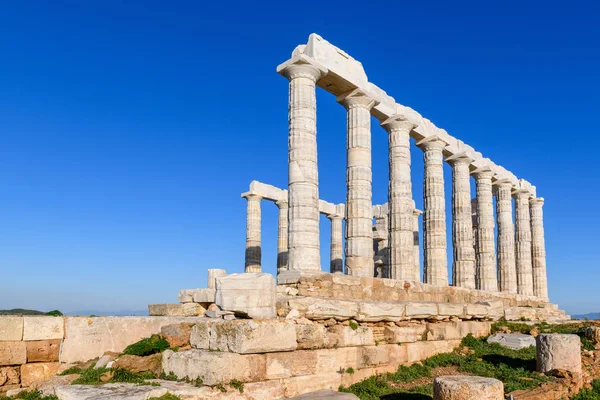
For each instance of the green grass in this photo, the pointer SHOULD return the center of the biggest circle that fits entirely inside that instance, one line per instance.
(166, 396)
(353, 325)
(145, 347)
(516, 368)
(589, 394)
(91, 376)
(32, 395)
(23, 311)
(573, 329)
(238, 385)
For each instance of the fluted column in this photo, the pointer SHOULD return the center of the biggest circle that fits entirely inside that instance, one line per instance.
(382, 246)
(523, 243)
(336, 264)
(416, 246)
(282, 235)
(435, 262)
(485, 250)
(359, 203)
(303, 181)
(463, 269)
(400, 202)
(507, 270)
(540, 280)
(253, 246)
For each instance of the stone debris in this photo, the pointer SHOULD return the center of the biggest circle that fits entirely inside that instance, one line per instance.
(252, 294)
(325, 394)
(467, 388)
(557, 353)
(515, 341)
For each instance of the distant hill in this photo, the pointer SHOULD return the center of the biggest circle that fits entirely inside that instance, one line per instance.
(22, 311)
(591, 316)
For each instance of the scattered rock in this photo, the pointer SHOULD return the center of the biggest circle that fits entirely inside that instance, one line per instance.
(178, 335)
(325, 394)
(131, 363)
(48, 388)
(513, 341)
(105, 359)
(534, 332)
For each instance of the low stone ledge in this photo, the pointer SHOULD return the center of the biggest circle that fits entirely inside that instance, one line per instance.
(43, 328)
(176, 310)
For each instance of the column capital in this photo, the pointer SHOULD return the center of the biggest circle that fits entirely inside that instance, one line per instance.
(416, 212)
(302, 67)
(536, 202)
(521, 193)
(333, 217)
(484, 172)
(357, 98)
(282, 203)
(433, 142)
(252, 196)
(503, 183)
(398, 123)
(459, 159)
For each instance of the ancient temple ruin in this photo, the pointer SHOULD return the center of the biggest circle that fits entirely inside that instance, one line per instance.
(513, 262)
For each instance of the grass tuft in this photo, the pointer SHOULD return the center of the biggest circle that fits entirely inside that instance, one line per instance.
(32, 395)
(166, 396)
(148, 346)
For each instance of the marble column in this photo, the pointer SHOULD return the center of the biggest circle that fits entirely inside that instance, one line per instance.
(253, 246)
(485, 250)
(523, 243)
(538, 245)
(359, 202)
(282, 235)
(463, 269)
(381, 246)
(507, 270)
(400, 202)
(416, 246)
(435, 262)
(303, 186)
(336, 264)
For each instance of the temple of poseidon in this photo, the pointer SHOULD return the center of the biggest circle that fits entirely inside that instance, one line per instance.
(369, 310)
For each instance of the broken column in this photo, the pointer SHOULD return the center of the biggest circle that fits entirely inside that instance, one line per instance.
(556, 352)
(462, 387)
(400, 202)
(253, 217)
(359, 202)
(416, 245)
(523, 243)
(282, 235)
(507, 270)
(303, 181)
(213, 274)
(463, 269)
(538, 248)
(336, 249)
(485, 251)
(435, 264)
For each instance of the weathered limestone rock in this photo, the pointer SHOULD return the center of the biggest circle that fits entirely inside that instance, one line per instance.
(213, 274)
(200, 336)
(214, 367)
(336, 263)
(11, 328)
(252, 337)
(476, 311)
(467, 388)
(13, 353)
(151, 363)
(38, 372)
(538, 248)
(325, 394)
(347, 336)
(176, 310)
(253, 221)
(401, 236)
(251, 294)
(43, 328)
(457, 330)
(523, 243)
(507, 269)
(485, 249)
(592, 333)
(282, 235)
(204, 296)
(359, 198)
(43, 350)
(435, 268)
(558, 353)
(186, 296)
(48, 388)
(515, 341)
(310, 336)
(448, 310)
(315, 308)
(178, 335)
(463, 269)
(520, 313)
(376, 312)
(404, 334)
(286, 365)
(9, 376)
(495, 309)
(131, 391)
(303, 189)
(421, 310)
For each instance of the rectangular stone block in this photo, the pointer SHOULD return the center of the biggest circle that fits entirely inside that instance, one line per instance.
(316, 308)
(43, 350)
(419, 351)
(186, 296)
(311, 336)
(286, 365)
(310, 383)
(335, 360)
(200, 336)
(38, 372)
(380, 311)
(251, 294)
(90, 337)
(214, 367)
(207, 296)
(476, 311)
(404, 334)
(43, 328)
(11, 328)
(421, 310)
(451, 310)
(176, 310)
(13, 353)
(495, 309)
(345, 336)
(251, 337)
(372, 356)
(9, 376)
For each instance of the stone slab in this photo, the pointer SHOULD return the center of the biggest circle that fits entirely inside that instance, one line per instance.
(515, 341)
(43, 328)
(325, 394)
(421, 310)
(251, 294)
(315, 308)
(43, 350)
(253, 337)
(13, 353)
(375, 312)
(90, 337)
(176, 310)
(11, 328)
(204, 295)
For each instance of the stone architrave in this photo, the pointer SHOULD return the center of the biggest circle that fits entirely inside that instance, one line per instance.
(416, 245)
(463, 270)
(435, 263)
(400, 202)
(507, 270)
(359, 201)
(303, 179)
(523, 243)
(538, 245)
(253, 245)
(485, 250)
(282, 236)
(336, 263)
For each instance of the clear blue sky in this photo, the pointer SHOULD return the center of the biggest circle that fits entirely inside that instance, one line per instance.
(129, 129)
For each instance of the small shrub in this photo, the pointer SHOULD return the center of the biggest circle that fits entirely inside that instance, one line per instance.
(350, 370)
(148, 346)
(33, 395)
(353, 325)
(54, 313)
(238, 385)
(170, 377)
(71, 370)
(221, 387)
(166, 396)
